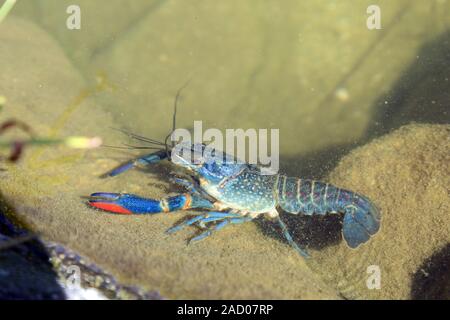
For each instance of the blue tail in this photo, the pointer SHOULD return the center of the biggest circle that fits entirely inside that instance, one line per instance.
(361, 221)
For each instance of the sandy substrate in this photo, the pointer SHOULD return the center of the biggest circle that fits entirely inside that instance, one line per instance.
(45, 190)
(407, 175)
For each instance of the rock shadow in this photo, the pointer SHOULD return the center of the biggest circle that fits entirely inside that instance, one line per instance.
(420, 95)
(25, 270)
(432, 280)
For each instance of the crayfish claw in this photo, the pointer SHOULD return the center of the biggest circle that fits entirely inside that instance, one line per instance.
(104, 196)
(110, 202)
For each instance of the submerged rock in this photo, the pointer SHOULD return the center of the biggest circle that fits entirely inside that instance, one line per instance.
(312, 69)
(406, 174)
(25, 269)
(34, 269)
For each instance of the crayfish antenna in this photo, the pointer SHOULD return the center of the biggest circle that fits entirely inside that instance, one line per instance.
(174, 118)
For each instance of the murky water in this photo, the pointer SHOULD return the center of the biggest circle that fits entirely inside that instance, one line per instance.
(312, 69)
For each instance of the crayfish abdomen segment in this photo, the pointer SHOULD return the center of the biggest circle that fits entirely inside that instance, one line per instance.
(361, 217)
(306, 196)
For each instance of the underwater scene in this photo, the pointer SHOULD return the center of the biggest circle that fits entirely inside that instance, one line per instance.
(343, 104)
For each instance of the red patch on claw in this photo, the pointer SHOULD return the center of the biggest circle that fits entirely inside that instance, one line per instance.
(110, 207)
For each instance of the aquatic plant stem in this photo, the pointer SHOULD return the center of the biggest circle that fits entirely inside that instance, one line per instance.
(74, 142)
(6, 8)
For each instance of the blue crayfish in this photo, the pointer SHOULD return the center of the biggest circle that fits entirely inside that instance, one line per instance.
(233, 192)
(238, 192)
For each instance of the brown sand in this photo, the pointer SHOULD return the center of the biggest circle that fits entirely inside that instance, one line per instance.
(46, 188)
(407, 175)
